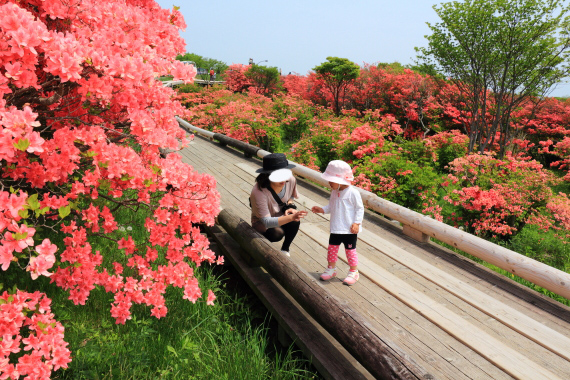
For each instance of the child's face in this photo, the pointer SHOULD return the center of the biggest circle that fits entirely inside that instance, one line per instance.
(334, 186)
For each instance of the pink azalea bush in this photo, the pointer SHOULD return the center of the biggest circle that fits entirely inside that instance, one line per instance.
(494, 197)
(82, 119)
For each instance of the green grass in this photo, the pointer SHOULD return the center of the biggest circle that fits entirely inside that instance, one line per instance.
(232, 340)
(194, 341)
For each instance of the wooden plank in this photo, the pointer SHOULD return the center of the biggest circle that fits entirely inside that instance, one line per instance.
(436, 351)
(376, 355)
(326, 354)
(495, 351)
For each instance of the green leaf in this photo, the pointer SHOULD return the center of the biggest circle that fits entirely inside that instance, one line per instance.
(33, 202)
(156, 169)
(171, 349)
(41, 211)
(22, 144)
(64, 211)
(24, 213)
(20, 235)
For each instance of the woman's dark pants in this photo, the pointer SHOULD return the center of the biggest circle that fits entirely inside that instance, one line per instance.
(288, 230)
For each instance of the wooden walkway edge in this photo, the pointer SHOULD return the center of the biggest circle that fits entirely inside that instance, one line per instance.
(377, 355)
(327, 355)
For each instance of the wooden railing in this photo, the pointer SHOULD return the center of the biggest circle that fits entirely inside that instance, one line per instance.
(422, 227)
(203, 82)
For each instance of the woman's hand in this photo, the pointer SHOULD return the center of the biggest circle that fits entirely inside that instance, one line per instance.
(317, 209)
(290, 211)
(296, 215)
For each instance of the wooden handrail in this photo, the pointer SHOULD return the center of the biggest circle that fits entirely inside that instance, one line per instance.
(534, 271)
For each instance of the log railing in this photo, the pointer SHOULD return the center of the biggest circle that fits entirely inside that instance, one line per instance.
(421, 227)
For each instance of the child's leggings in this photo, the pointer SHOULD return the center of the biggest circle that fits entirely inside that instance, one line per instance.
(349, 241)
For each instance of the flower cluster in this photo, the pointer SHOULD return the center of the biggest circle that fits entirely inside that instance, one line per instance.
(29, 331)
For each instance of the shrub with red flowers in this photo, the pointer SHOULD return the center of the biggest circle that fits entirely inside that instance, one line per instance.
(494, 197)
(562, 151)
(248, 117)
(235, 77)
(82, 119)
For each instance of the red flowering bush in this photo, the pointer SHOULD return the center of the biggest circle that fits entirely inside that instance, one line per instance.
(235, 77)
(562, 150)
(248, 117)
(31, 314)
(82, 119)
(498, 197)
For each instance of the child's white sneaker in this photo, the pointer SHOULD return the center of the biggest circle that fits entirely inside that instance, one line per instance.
(351, 277)
(328, 274)
(286, 253)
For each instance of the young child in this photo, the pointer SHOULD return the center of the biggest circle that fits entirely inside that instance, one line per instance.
(346, 209)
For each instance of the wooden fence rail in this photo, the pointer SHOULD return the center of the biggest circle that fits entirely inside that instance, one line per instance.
(421, 227)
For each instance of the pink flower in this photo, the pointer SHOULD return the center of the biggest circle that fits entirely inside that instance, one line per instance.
(128, 245)
(5, 257)
(211, 298)
(38, 266)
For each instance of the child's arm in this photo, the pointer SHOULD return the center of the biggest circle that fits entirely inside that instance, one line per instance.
(358, 213)
(323, 210)
(317, 209)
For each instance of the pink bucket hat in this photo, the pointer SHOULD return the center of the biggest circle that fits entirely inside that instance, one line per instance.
(338, 172)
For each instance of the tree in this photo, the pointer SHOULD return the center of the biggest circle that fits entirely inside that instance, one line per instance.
(82, 121)
(499, 53)
(204, 62)
(265, 80)
(337, 73)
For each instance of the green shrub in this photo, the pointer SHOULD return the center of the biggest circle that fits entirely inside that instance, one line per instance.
(189, 88)
(541, 246)
(325, 150)
(447, 154)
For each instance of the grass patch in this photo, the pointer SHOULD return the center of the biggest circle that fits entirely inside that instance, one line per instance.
(194, 341)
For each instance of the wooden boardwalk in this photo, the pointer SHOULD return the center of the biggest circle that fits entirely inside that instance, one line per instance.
(448, 316)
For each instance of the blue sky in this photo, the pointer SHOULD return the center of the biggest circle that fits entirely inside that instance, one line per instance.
(296, 36)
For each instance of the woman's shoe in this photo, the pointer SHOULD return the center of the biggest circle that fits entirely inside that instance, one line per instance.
(328, 274)
(351, 278)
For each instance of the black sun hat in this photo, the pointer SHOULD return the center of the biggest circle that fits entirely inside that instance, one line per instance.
(274, 161)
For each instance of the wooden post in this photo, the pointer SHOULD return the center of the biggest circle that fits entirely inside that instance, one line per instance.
(342, 322)
(415, 234)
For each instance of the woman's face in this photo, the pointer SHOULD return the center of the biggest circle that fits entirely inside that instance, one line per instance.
(278, 185)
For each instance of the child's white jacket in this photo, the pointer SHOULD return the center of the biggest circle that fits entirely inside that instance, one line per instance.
(346, 208)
